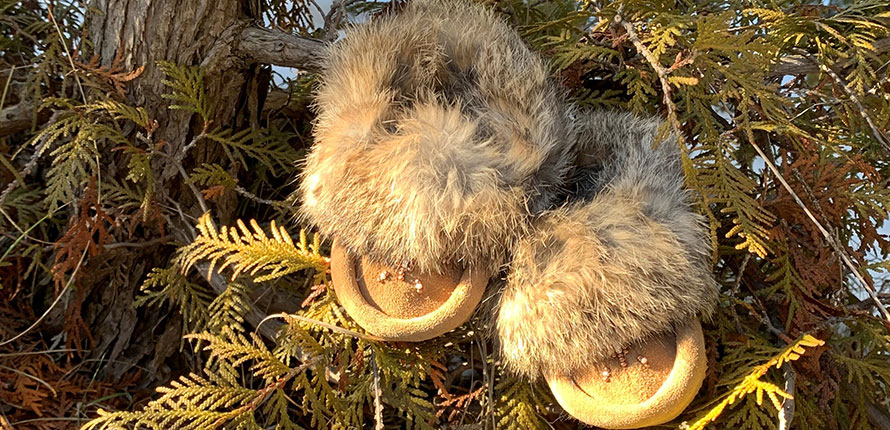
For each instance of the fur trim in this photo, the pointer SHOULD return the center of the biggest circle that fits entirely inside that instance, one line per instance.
(627, 260)
(438, 135)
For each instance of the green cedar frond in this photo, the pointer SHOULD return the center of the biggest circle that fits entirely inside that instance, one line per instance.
(77, 136)
(271, 148)
(725, 183)
(187, 89)
(786, 279)
(254, 252)
(138, 115)
(235, 348)
(209, 175)
(412, 402)
(190, 403)
(25, 201)
(228, 309)
(170, 285)
(516, 405)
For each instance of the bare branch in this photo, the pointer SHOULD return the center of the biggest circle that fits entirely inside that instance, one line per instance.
(378, 405)
(862, 111)
(660, 70)
(786, 415)
(334, 19)
(281, 49)
(16, 118)
(794, 65)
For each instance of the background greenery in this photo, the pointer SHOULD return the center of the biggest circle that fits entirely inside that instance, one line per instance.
(122, 304)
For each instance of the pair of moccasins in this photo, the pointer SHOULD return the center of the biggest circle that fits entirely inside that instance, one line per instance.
(445, 156)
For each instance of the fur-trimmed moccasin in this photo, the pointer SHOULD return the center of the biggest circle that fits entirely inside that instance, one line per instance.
(604, 295)
(438, 136)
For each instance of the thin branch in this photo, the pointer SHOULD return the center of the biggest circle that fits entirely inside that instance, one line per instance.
(794, 65)
(145, 244)
(176, 161)
(192, 187)
(51, 306)
(41, 352)
(254, 316)
(660, 70)
(334, 19)
(331, 327)
(263, 394)
(833, 241)
(786, 414)
(738, 276)
(876, 415)
(276, 47)
(862, 111)
(378, 405)
(74, 69)
(254, 197)
(27, 375)
(180, 155)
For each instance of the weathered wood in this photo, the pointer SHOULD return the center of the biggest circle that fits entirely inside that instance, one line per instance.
(280, 48)
(16, 118)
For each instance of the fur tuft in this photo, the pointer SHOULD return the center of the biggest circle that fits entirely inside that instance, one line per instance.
(627, 259)
(438, 135)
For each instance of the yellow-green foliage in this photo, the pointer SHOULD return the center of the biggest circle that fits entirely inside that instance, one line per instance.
(753, 384)
(253, 251)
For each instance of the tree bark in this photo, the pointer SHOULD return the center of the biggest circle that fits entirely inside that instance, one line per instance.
(142, 33)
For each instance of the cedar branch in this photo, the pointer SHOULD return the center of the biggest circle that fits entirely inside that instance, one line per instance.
(832, 240)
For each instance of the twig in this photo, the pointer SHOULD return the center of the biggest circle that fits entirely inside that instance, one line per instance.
(254, 197)
(180, 155)
(334, 18)
(263, 394)
(45, 351)
(378, 405)
(145, 244)
(874, 129)
(786, 414)
(185, 177)
(176, 161)
(330, 327)
(41, 381)
(795, 65)
(487, 374)
(660, 70)
(54, 303)
(833, 241)
(254, 316)
(738, 279)
(74, 70)
(876, 415)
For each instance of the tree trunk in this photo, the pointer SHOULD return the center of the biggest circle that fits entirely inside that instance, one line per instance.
(140, 33)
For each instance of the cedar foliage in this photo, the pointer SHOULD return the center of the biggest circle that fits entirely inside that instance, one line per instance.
(783, 109)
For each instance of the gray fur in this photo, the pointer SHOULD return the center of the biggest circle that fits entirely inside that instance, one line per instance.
(440, 140)
(624, 260)
(438, 135)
